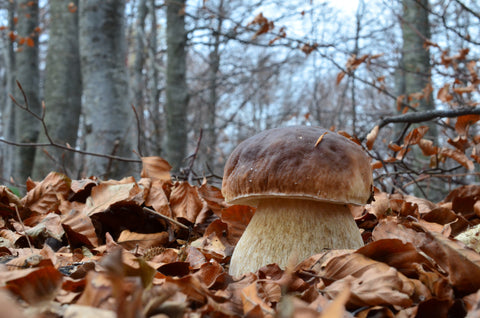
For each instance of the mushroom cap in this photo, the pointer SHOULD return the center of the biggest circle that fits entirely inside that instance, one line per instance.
(291, 162)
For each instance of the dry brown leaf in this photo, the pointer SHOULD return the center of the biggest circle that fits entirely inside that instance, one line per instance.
(463, 90)
(392, 228)
(48, 226)
(108, 193)
(427, 147)
(157, 198)
(155, 168)
(460, 142)
(45, 196)
(336, 309)
(459, 157)
(10, 305)
(35, 285)
(444, 94)
(252, 302)
(8, 202)
(214, 247)
(463, 123)
(213, 275)
(79, 228)
(415, 135)
(372, 285)
(461, 264)
(187, 204)
(340, 76)
(237, 218)
(130, 240)
(213, 196)
(395, 253)
(371, 137)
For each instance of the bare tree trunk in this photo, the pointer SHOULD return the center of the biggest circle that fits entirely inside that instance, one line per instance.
(27, 74)
(415, 58)
(208, 154)
(416, 71)
(8, 113)
(108, 116)
(155, 145)
(63, 89)
(138, 66)
(176, 90)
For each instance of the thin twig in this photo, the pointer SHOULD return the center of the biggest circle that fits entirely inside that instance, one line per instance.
(23, 228)
(139, 138)
(52, 143)
(166, 218)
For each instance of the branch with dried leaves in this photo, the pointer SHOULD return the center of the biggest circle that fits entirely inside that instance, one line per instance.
(419, 117)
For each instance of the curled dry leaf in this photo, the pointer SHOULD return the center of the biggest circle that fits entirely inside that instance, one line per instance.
(108, 193)
(253, 303)
(460, 142)
(35, 285)
(463, 123)
(237, 218)
(186, 203)
(459, 157)
(403, 256)
(45, 196)
(461, 264)
(413, 137)
(371, 283)
(156, 168)
(48, 226)
(130, 240)
(214, 198)
(463, 199)
(79, 228)
(8, 202)
(427, 147)
(157, 198)
(371, 137)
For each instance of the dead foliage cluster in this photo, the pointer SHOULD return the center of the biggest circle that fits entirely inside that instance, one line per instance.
(79, 248)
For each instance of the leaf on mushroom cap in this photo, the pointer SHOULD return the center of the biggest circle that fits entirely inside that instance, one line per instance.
(284, 162)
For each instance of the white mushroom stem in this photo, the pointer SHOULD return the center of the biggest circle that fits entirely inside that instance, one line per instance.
(283, 230)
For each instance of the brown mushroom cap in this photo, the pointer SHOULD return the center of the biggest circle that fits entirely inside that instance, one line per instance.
(288, 162)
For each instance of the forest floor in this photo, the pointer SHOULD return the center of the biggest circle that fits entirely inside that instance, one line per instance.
(157, 247)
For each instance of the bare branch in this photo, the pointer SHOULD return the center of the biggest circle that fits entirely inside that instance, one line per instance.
(419, 117)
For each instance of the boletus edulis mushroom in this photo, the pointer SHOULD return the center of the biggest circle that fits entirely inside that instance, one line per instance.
(300, 179)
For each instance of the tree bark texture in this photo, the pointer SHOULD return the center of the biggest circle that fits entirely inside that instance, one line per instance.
(137, 69)
(415, 58)
(27, 74)
(8, 112)
(108, 116)
(208, 156)
(176, 89)
(63, 89)
(416, 76)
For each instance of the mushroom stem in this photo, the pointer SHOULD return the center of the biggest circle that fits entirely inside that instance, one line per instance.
(284, 229)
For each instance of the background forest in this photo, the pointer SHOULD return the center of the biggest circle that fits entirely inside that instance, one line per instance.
(89, 87)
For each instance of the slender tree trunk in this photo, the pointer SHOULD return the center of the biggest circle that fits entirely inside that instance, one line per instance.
(108, 116)
(415, 58)
(63, 89)
(155, 145)
(176, 90)
(138, 66)
(416, 70)
(208, 153)
(27, 74)
(8, 113)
